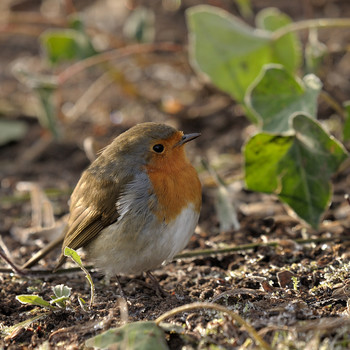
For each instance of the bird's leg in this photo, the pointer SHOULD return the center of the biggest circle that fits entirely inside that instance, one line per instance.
(121, 292)
(156, 286)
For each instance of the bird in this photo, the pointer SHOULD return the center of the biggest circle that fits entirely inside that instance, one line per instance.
(137, 204)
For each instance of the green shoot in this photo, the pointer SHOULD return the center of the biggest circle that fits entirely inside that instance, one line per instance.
(76, 258)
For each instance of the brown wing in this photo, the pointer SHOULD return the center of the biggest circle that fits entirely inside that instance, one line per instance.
(93, 207)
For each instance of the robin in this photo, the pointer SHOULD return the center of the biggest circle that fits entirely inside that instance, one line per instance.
(137, 204)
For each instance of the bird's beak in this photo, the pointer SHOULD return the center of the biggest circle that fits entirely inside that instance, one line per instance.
(186, 138)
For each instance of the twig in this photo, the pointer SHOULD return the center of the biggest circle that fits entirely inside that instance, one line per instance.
(29, 30)
(42, 273)
(112, 55)
(3, 246)
(311, 23)
(333, 103)
(32, 153)
(252, 332)
(207, 252)
(13, 267)
(50, 192)
(89, 96)
(23, 17)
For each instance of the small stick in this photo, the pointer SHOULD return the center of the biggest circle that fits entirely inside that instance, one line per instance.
(207, 252)
(13, 266)
(249, 328)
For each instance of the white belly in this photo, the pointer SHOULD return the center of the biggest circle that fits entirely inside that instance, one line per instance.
(133, 249)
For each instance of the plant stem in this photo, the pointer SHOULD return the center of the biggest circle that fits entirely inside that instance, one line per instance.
(333, 103)
(252, 332)
(311, 23)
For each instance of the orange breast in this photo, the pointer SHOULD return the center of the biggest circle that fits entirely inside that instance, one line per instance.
(175, 183)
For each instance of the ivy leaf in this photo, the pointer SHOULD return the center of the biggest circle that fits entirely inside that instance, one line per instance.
(307, 169)
(287, 48)
(67, 44)
(225, 49)
(277, 94)
(346, 130)
(231, 53)
(263, 153)
(297, 168)
(144, 335)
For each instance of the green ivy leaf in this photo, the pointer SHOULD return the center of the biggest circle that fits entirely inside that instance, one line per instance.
(224, 48)
(277, 94)
(346, 130)
(307, 169)
(71, 253)
(67, 44)
(144, 335)
(263, 153)
(288, 48)
(298, 168)
(231, 53)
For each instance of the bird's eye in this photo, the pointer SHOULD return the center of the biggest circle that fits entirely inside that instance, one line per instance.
(158, 148)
